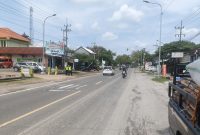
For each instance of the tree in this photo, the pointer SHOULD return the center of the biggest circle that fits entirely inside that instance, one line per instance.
(176, 46)
(123, 59)
(86, 62)
(137, 56)
(103, 54)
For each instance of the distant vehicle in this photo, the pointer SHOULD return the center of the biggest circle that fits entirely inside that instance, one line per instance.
(36, 65)
(153, 68)
(5, 62)
(124, 74)
(19, 65)
(108, 70)
(120, 67)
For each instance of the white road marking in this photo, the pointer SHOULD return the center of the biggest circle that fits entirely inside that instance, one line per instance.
(31, 88)
(66, 86)
(73, 86)
(99, 82)
(81, 87)
(36, 110)
(56, 90)
(47, 85)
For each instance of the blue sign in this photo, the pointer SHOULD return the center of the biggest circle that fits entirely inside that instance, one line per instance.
(54, 49)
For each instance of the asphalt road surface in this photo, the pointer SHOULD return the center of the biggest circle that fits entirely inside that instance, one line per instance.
(95, 105)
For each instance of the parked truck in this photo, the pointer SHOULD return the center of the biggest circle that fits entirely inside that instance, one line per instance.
(184, 106)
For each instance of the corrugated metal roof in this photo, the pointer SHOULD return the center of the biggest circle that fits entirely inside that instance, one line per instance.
(88, 50)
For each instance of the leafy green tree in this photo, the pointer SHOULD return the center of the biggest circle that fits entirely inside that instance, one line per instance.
(137, 56)
(176, 46)
(123, 59)
(103, 54)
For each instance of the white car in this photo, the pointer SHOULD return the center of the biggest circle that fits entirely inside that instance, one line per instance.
(35, 64)
(108, 70)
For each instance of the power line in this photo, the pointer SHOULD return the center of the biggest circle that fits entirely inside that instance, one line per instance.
(189, 18)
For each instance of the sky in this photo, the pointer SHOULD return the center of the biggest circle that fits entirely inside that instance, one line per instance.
(122, 26)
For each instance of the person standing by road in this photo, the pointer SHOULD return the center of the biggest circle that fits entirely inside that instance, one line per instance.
(70, 70)
(66, 70)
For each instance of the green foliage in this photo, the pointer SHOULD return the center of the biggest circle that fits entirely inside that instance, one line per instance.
(103, 54)
(160, 79)
(137, 56)
(176, 46)
(84, 58)
(123, 59)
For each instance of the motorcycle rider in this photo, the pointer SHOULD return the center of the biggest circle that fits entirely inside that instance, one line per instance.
(124, 70)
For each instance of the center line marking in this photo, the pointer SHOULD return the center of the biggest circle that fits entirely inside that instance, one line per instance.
(99, 82)
(36, 110)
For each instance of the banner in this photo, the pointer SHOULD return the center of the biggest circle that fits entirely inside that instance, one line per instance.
(54, 49)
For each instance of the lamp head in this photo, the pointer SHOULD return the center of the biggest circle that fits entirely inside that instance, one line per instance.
(146, 1)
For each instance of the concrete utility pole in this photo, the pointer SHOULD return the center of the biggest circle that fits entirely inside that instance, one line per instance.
(160, 37)
(65, 38)
(181, 32)
(144, 53)
(43, 52)
(31, 25)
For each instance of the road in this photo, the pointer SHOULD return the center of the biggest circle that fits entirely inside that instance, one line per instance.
(95, 105)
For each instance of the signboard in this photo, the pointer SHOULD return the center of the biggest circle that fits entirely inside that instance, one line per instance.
(54, 49)
(177, 54)
(76, 60)
(26, 59)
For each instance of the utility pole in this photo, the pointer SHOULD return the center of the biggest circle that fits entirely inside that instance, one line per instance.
(180, 28)
(31, 25)
(144, 61)
(65, 38)
(95, 51)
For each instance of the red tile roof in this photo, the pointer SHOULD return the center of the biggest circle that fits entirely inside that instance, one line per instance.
(21, 50)
(6, 33)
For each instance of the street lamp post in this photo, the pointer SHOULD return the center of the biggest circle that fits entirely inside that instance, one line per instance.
(160, 41)
(43, 61)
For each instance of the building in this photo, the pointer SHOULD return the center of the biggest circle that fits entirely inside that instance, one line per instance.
(19, 54)
(84, 64)
(84, 50)
(16, 47)
(9, 38)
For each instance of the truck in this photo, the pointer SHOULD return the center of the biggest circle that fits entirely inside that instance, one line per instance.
(184, 106)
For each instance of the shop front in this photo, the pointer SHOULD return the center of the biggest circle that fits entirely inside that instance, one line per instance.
(55, 53)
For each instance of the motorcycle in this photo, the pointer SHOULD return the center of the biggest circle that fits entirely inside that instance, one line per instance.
(124, 74)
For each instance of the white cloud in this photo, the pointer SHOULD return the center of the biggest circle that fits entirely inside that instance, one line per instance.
(127, 13)
(139, 44)
(185, 8)
(85, 1)
(190, 31)
(122, 26)
(95, 26)
(109, 36)
(78, 26)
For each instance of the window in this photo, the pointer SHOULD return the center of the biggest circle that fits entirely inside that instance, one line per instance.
(3, 43)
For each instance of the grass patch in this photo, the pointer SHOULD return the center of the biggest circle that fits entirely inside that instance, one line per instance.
(160, 79)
